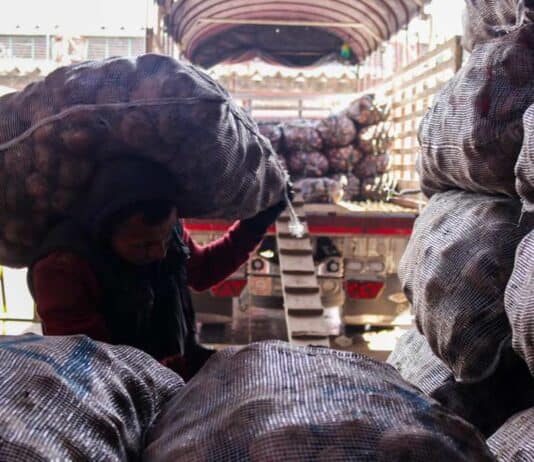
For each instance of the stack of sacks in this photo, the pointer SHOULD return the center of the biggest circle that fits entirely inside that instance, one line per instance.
(352, 145)
(469, 267)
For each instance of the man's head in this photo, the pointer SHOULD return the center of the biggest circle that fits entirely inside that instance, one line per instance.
(141, 233)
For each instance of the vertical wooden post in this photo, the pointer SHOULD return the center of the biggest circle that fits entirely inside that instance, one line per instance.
(149, 40)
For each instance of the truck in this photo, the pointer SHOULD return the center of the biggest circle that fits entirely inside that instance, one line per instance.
(356, 247)
(356, 255)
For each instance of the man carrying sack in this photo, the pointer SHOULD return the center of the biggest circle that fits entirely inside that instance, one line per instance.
(119, 269)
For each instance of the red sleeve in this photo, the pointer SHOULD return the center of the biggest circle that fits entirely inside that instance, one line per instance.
(214, 262)
(66, 293)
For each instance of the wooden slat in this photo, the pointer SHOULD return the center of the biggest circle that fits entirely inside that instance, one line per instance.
(301, 293)
(450, 44)
(295, 252)
(407, 118)
(299, 302)
(442, 67)
(302, 290)
(302, 244)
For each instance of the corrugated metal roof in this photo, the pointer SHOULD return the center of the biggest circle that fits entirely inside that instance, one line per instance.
(211, 31)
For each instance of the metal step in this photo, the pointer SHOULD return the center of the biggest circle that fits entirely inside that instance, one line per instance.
(296, 252)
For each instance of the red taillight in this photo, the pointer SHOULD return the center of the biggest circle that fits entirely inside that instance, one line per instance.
(363, 289)
(229, 288)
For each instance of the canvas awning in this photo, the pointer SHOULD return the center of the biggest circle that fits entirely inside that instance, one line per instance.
(292, 33)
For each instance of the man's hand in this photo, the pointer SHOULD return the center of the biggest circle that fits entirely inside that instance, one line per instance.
(260, 223)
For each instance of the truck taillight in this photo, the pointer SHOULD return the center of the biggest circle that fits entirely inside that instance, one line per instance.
(363, 289)
(229, 288)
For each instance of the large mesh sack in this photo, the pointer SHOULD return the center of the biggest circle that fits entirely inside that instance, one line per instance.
(351, 186)
(308, 164)
(417, 364)
(476, 402)
(519, 301)
(342, 159)
(471, 137)
(454, 272)
(364, 112)
(273, 132)
(320, 190)
(366, 167)
(276, 402)
(337, 130)
(302, 135)
(70, 398)
(524, 169)
(514, 441)
(54, 132)
(486, 19)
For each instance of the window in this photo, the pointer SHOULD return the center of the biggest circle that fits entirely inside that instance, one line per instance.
(23, 46)
(104, 47)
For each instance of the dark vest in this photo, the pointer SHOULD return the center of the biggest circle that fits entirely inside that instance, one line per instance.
(146, 307)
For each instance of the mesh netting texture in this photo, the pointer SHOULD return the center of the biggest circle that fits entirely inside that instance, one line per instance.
(472, 136)
(487, 19)
(476, 403)
(454, 272)
(54, 132)
(525, 164)
(70, 398)
(514, 441)
(276, 402)
(416, 363)
(519, 301)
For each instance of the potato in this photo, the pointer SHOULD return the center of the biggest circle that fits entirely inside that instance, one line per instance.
(10, 124)
(205, 115)
(289, 443)
(18, 160)
(81, 132)
(301, 135)
(16, 197)
(147, 89)
(37, 185)
(18, 232)
(118, 80)
(151, 64)
(74, 173)
(81, 84)
(41, 205)
(173, 123)
(342, 159)
(337, 130)
(46, 134)
(62, 199)
(179, 85)
(137, 130)
(46, 159)
(110, 94)
(297, 163)
(367, 167)
(316, 165)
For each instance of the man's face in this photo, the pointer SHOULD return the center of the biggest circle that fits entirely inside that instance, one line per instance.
(141, 244)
